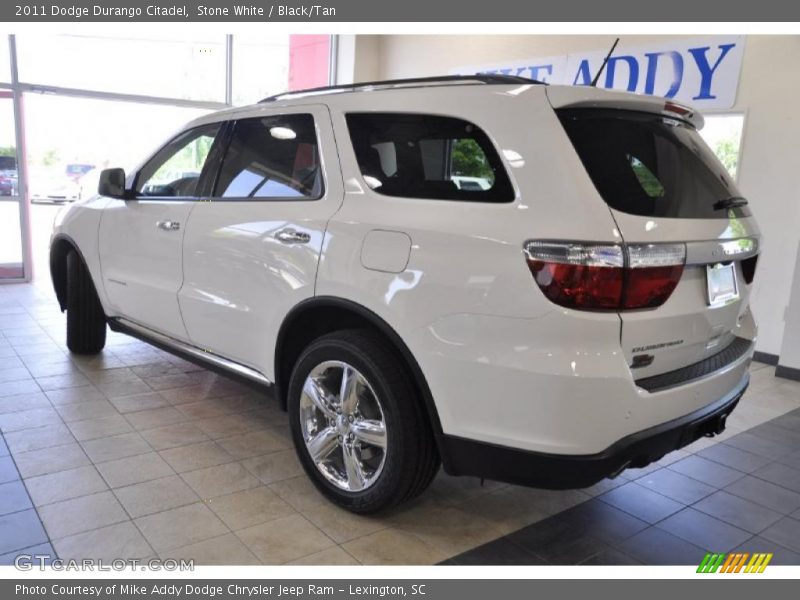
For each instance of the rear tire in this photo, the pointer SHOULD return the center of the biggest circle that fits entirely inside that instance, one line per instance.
(86, 321)
(406, 463)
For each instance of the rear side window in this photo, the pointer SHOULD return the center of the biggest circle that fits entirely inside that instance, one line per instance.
(426, 156)
(648, 165)
(272, 157)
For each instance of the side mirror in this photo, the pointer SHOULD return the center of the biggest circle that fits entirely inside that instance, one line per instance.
(112, 183)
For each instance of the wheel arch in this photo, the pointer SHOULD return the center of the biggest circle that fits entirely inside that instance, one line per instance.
(60, 247)
(325, 314)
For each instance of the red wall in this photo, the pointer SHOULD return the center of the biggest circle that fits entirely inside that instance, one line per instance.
(308, 61)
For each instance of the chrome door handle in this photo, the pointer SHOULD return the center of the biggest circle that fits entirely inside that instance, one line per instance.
(292, 236)
(168, 225)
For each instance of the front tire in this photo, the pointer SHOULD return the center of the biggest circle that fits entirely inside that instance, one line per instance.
(86, 321)
(359, 429)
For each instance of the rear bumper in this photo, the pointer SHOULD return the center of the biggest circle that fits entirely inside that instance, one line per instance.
(563, 471)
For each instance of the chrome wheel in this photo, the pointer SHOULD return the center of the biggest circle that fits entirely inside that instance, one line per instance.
(343, 426)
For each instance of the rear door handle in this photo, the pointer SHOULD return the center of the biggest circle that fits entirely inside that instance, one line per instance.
(168, 225)
(292, 236)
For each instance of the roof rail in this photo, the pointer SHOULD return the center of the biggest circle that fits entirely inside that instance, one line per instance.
(488, 79)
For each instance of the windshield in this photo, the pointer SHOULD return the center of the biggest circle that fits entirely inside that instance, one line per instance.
(650, 165)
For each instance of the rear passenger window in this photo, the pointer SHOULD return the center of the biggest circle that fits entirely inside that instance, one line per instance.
(271, 157)
(426, 156)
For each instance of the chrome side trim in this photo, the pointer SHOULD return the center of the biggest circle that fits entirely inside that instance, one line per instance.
(194, 351)
(714, 251)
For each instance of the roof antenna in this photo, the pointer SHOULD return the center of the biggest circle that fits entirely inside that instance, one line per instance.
(605, 62)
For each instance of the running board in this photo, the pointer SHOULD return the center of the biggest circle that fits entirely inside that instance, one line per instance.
(189, 352)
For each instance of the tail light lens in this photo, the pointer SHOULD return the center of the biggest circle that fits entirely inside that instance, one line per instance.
(606, 276)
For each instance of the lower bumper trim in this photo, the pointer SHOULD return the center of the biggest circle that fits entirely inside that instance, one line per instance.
(462, 456)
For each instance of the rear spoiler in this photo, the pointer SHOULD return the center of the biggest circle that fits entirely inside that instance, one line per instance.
(581, 96)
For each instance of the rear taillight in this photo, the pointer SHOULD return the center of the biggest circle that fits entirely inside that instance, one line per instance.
(606, 276)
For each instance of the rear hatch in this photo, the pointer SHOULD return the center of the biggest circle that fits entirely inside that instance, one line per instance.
(664, 186)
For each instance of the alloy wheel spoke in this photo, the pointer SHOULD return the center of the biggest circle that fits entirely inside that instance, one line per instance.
(353, 468)
(348, 394)
(318, 396)
(321, 445)
(370, 432)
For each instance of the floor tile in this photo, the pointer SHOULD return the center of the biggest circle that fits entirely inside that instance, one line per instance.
(63, 485)
(707, 471)
(81, 411)
(173, 436)
(780, 555)
(225, 550)
(120, 541)
(641, 502)
(251, 444)
(285, 539)
(341, 525)
(75, 395)
(92, 429)
(735, 458)
(148, 401)
(116, 447)
(498, 552)
(329, 556)
(766, 494)
(737, 511)
(274, 467)
(250, 507)
(155, 496)
(28, 419)
(20, 530)
(180, 527)
(84, 513)
(758, 445)
(50, 460)
(41, 437)
(391, 546)
(604, 522)
(656, 547)
(23, 402)
(676, 486)
(507, 510)
(704, 531)
(196, 456)
(40, 552)
(785, 532)
(134, 469)
(780, 474)
(8, 470)
(13, 497)
(220, 480)
(154, 418)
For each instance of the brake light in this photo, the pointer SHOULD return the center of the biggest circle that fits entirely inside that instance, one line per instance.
(606, 276)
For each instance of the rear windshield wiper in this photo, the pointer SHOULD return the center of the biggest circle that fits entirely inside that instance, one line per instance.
(732, 202)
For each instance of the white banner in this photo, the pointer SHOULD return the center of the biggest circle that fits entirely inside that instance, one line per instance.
(703, 72)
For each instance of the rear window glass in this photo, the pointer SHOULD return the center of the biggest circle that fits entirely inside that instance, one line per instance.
(648, 165)
(426, 156)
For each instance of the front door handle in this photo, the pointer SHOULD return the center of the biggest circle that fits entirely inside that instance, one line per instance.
(292, 236)
(168, 225)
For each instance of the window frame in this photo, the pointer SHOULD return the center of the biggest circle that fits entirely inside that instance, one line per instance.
(202, 180)
(220, 158)
(503, 168)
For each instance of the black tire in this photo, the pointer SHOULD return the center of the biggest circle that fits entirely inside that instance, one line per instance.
(411, 459)
(86, 321)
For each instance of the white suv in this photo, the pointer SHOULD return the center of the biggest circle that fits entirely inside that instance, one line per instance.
(580, 308)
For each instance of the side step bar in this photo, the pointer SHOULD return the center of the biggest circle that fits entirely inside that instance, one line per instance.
(191, 353)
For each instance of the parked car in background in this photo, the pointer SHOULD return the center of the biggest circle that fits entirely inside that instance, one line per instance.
(574, 302)
(56, 186)
(8, 176)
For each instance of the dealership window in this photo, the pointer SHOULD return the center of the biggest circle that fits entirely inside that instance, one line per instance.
(427, 156)
(124, 96)
(272, 157)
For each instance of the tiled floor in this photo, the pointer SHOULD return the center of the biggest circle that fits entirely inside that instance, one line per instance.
(136, 453)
